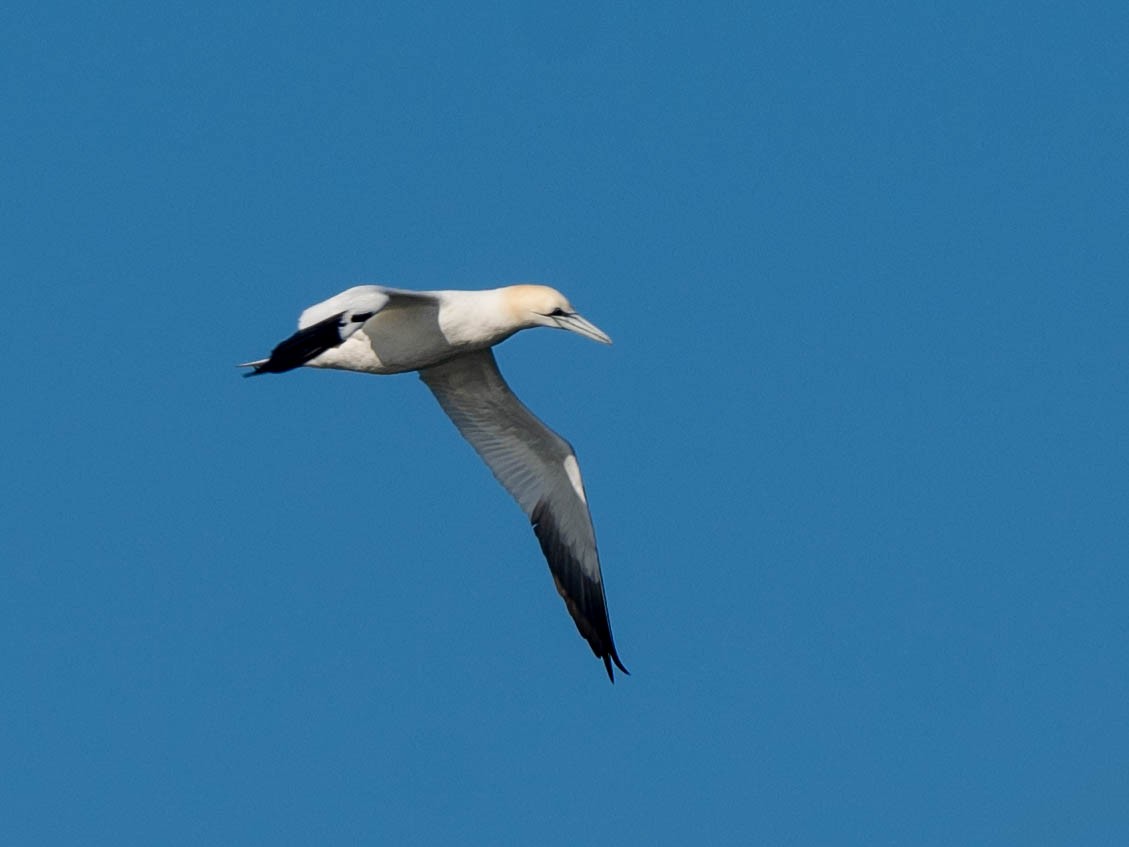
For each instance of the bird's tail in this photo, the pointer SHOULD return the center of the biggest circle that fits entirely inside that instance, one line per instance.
(257, 365)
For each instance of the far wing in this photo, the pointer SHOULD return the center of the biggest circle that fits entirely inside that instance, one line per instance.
(327, 324)
(539, 469)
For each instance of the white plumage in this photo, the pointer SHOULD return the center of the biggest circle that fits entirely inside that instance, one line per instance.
(446, 336)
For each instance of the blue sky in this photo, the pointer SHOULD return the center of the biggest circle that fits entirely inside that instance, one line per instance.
(857, 459)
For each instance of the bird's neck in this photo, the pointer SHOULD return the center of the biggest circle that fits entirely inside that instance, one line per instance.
(479, 318)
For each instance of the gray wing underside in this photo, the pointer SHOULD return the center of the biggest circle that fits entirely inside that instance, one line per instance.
(529, 460)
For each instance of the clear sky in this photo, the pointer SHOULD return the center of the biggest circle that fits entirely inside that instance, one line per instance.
(857, 458)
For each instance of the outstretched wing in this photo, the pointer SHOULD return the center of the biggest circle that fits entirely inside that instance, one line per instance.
(539, 469)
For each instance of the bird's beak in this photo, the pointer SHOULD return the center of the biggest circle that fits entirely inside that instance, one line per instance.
(577, 324)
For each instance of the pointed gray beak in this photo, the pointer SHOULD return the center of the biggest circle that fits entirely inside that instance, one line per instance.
(577, 324)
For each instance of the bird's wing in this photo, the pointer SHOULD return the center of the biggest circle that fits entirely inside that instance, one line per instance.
(327, 324)
(539, 469)
(361, 298)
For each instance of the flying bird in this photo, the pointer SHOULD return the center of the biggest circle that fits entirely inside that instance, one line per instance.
(447, 337)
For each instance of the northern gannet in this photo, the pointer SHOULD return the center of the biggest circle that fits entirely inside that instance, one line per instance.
(446, 336)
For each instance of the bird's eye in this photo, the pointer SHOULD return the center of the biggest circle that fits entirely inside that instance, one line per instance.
(558, 313)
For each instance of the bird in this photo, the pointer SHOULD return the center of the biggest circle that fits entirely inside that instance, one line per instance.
(448, 337)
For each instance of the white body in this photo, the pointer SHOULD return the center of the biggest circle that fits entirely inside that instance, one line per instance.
(413, 332)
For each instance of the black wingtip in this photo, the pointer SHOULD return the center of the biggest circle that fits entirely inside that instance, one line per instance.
(583, 595)
(305, 344)
(612, 657)
(609, 657)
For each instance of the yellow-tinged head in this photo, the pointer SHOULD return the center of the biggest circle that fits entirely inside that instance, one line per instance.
(539, 305)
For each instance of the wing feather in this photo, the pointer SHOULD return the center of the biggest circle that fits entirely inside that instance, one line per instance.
(328, 324)
(528, 459)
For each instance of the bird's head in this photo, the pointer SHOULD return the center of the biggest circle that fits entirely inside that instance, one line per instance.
(539, 305)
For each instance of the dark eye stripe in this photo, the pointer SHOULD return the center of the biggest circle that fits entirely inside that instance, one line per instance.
(558, 313)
